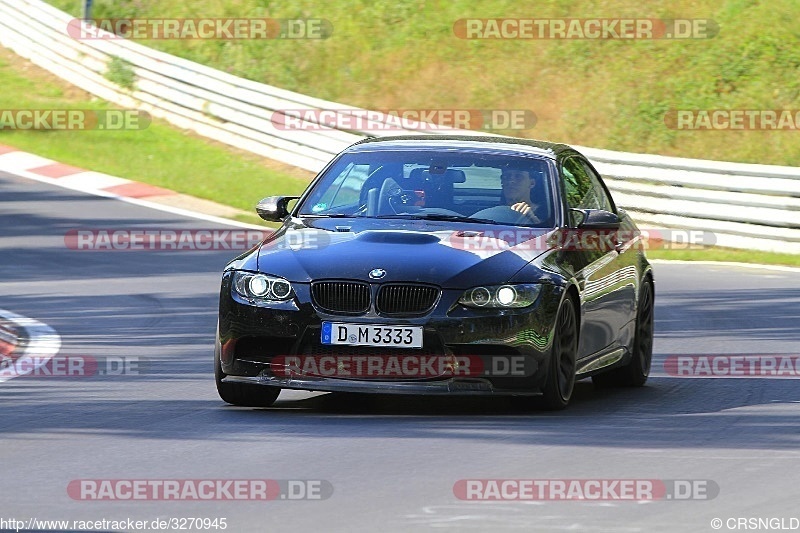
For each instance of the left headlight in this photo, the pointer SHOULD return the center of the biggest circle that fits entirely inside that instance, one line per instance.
(501, 296)
(261, 287)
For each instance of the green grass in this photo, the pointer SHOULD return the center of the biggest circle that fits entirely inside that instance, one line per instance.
(727, 254)
(603, 93)
(160, 154)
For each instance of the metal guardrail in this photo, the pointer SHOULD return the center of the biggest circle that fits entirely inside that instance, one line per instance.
(746, 206)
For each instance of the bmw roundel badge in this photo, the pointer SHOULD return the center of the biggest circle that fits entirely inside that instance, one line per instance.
(377, 273)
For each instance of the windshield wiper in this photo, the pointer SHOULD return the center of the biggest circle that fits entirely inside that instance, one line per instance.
(433, 216)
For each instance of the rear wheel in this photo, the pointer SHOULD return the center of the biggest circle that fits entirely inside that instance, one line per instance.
(636, 372)
(560, 380)
(242, 394)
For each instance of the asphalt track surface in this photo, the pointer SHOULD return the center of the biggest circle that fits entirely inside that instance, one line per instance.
(392, 461)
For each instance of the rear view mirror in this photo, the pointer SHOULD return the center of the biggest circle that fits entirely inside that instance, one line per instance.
(274, 208)
(594, 219)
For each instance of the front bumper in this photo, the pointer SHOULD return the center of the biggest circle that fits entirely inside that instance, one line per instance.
(452, 386)
(251, 336)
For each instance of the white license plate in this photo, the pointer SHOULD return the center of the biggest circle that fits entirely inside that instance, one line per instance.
(371, 335)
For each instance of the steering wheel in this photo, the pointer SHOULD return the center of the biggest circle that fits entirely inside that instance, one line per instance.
(389, 187)
(503, 214)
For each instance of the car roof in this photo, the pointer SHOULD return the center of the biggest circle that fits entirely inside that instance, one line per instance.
(489, 143)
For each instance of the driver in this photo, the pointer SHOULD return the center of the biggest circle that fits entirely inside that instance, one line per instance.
(517, 185)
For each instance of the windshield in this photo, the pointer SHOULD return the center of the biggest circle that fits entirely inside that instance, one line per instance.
(437, 185)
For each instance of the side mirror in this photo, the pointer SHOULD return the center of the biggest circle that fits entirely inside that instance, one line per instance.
(594, 219)
(274, 208)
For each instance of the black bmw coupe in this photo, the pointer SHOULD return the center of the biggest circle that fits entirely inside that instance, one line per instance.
(440, 265)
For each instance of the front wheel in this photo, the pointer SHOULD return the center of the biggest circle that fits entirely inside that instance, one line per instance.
(560, 380)
(242, 394)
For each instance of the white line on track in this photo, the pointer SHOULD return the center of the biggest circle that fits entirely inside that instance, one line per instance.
(135, 201)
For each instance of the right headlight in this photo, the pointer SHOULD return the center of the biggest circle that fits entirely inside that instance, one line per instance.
(261, 287)
(501, 296)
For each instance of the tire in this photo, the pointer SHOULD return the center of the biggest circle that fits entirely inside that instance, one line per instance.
(560, 381)
(636, 372)
(242, 394)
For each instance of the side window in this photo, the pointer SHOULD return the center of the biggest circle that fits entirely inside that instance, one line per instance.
(582, 187)
(345, 188)
(599, 191)
(576, 184)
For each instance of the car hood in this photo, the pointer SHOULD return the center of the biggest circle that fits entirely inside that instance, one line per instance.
(451, 255)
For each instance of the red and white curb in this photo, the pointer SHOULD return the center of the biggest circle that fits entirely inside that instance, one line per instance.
(34, 167)
(49, 171)
(25, 340)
